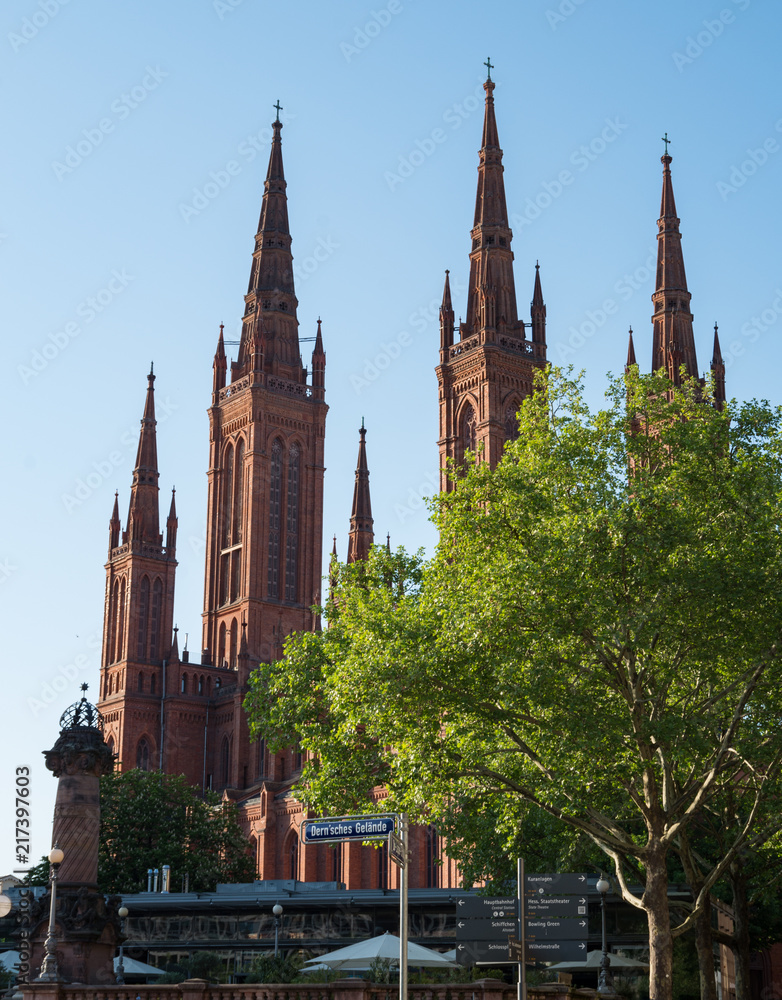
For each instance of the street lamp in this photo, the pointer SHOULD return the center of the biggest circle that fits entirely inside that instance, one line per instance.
(277, 911)
(122, 912)
(604, 984)
(49, 971)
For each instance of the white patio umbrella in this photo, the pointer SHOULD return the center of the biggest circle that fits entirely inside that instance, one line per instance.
(593, 962)
(362, 955)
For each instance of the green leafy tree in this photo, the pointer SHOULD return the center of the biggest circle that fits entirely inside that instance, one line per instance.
(596, 636)
(274, 969)
(149, 819)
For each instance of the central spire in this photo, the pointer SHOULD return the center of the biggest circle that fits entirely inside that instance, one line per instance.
(270, 339)
(491, 301)
(143, 515)
(673, 340)
(362, 533)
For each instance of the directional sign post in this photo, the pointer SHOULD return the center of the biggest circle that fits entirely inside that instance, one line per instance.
(562, 928)
(555, 883)
(555, 906)
(556, 951)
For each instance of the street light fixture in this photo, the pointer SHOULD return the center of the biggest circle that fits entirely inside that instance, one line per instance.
(277, 911)
(49, 971)
(604, 984)
(122, 912)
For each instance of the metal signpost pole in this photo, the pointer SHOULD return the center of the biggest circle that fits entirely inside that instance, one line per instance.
(403, 911)
(522, 930)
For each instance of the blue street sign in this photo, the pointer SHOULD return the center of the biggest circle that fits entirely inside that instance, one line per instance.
(339, 828)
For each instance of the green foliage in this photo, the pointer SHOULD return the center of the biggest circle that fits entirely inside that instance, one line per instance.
(149, 819)
(595, 640)
(285, 968)
(39, 875)
(201, 965)
(380, 971)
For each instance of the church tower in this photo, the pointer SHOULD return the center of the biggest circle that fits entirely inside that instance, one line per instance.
(139, 610)
(265, 500)
(484, 375)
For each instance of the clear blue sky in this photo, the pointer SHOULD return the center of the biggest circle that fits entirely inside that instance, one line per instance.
(119, 122)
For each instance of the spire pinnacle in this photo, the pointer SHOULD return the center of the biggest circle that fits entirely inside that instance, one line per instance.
(630, 352)
(489, 67)
(673, 344)
(361, 524)
(718, 371)
(538, 310)
(114, 524)
(143, 515)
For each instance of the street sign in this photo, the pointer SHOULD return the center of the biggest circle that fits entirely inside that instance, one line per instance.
(515, 949)
(486, 930)
(555, 906)
(555, 883)
(556, 951)
(340, 828)
(561, 928)
(396, 850)
(486, 907)
(483, 952)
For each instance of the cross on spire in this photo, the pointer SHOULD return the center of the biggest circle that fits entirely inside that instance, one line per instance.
(667, 141)
(489, 67)
(278, 106)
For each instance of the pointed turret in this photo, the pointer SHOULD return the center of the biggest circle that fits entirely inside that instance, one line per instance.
(491, 301)
(361, 524)
(446, 317)
(143, 514)
(219, 366)
(173, 656)
(271, 301)
(538, 310)
(673, 342)
(718, 371)
(114, 525)
(171, 526)
(630, 352)
(318, 365)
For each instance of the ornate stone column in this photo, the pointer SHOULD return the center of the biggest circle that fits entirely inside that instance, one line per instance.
(87, 926)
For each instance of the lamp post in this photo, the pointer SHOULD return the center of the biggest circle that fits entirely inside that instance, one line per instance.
(277, 911)
(122, 912)
(49, 971)
(604, 984)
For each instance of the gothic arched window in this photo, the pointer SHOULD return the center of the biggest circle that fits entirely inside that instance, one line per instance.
(221, 646)
(142, 754)
(512, 421)
(143, 619)
(293, 857)
(154, 620)
(382, 865)
(225, 760)
(292, 527)
(275, 502)
(469, 427)
(336, 863)
(238, 504)
(113, 621)
(184, 684)
(140, 682)
(234, 643)
(227, 498)
(121, 620)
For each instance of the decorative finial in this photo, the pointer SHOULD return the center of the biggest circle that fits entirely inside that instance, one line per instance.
(222, 326)
(84, 687)
(537, 265)
(176, 629)
(278, 106)
(489, 67)
(667, 141)
(362, 423)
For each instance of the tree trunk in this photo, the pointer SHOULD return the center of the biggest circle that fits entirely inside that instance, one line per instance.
(655, 901)
(738, 885)
(705, 947)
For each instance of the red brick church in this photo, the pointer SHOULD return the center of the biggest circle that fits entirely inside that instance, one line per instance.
(267, 424)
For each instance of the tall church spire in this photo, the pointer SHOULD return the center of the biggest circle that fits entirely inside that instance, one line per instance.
(143, 516)
(673, 341)
(270, 303)
(361, 524)
(446, 317)
(538, 310)
(491, 301)
(718, 371)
